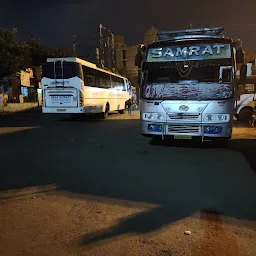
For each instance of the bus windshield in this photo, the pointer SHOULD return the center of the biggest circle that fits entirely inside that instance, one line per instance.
(197, 72)
(61, 71)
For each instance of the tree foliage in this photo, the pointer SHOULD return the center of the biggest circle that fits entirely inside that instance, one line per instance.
(39, 53)
(16, 55)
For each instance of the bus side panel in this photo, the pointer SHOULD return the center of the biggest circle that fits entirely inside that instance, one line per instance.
(97, 98)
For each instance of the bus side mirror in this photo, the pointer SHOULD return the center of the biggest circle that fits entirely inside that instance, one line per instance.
(243, 72)
(138, 59)
(139, 55)
(240, 58)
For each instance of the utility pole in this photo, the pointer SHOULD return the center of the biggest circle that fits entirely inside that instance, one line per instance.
(190, 24)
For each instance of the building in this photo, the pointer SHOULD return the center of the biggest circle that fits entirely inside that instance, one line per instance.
(125, 56)
(96, 46)
(22, 86)
(150, 35)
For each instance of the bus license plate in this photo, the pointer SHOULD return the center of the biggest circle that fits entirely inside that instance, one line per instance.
(182, 137)
(155, 127)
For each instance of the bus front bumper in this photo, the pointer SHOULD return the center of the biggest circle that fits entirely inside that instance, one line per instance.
(188, 130)
(63, 110)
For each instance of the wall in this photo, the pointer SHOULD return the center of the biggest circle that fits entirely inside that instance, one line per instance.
(1, 103)
(150, 35)
(18, 107)
(119, 42)
(125, 56)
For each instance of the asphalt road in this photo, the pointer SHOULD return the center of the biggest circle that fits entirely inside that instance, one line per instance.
(97, 187)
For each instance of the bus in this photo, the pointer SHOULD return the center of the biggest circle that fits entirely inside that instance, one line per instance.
(187, 84)
(77, 87)
(245, 99)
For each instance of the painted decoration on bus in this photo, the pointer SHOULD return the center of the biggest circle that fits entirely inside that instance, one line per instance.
(185, 90)
(193, 52)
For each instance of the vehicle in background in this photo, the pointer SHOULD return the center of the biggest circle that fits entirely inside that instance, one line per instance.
(74, 86)
(244, 107)
(245, 93)
(188, 80)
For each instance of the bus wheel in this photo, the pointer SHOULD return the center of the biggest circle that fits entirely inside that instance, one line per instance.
(245, 114)
(121, 111)
(105, 114)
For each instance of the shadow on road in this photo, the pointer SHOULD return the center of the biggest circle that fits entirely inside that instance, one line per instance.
(21, 119)
(245, 146)
(112, 160)
(160, 217)
(141, 223)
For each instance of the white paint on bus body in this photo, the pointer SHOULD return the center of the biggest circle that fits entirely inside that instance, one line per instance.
(73, 96)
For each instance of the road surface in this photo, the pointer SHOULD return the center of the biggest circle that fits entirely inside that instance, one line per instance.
(97, 187)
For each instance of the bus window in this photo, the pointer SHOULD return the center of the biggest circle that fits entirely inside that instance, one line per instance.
(89, 77)
(96, 78)
(88, 80)
(118, 83)
(105, 81)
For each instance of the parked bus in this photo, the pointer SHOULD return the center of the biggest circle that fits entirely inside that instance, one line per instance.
(74, 86)
(245, 99)
(188, 84)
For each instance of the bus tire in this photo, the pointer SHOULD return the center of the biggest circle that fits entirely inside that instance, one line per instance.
(122, 111)
(105, 114)
(245, 114)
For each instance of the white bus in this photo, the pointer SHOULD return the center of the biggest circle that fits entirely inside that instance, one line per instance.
(72, 85)
(245, 100)
(244, 107)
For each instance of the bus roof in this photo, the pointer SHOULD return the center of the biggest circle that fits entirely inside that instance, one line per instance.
(188, 34)
(84, 63)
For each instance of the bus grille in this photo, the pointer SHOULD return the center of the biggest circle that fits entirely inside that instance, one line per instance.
(184, 116)
(183, 129)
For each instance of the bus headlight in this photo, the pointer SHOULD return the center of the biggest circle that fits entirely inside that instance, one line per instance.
(219, 118)
(152, 116)
(222, 117)
(159, 116)
(149, 116)
(209, 117)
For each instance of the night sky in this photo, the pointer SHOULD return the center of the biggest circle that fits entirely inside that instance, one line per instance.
(54, 24)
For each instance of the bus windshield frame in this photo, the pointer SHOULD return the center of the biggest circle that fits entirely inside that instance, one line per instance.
(184, 70)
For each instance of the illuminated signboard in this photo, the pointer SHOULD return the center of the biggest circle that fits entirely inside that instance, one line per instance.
(193, 52)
